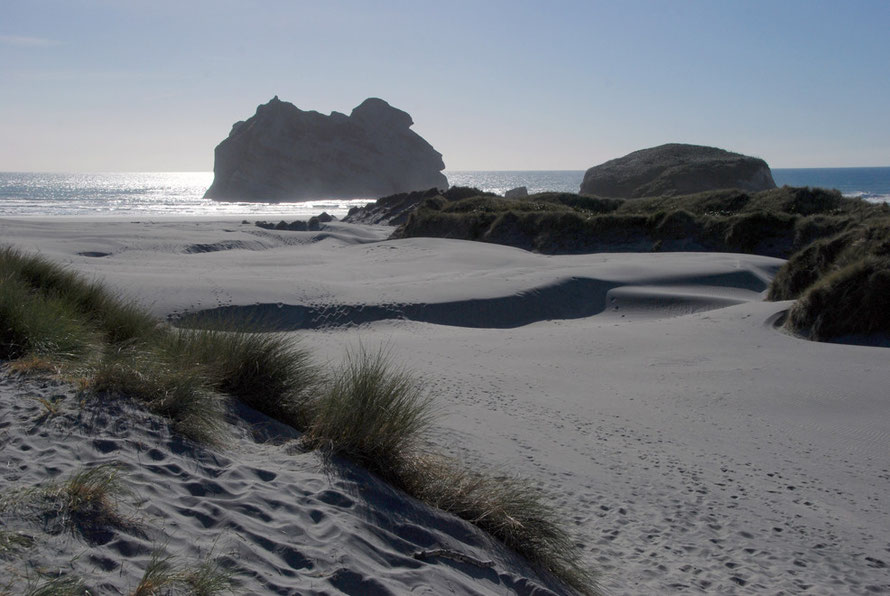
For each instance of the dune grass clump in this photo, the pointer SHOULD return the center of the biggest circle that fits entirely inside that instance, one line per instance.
(371, 412)
(87, 500)
(774, 222)
(31, 323)
(760, 232)
(119, 320)
(827, 255)
(508, 508)
(805, 267)
(267, 371)
(85, 503)
(159, 575)
(854, 300)
(207, 578)
(12, 543)
(184, 394)
(839, 284)
(163, 576)
(55, 320)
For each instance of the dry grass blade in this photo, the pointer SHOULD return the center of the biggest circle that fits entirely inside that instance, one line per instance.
(13, 542)
(51, 407)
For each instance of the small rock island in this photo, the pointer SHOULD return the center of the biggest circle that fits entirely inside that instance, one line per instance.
(283, 153)
(675, 169)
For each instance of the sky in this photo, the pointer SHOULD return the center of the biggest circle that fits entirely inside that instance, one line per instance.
(133, 85)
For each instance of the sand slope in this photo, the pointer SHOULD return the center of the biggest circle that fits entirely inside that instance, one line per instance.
(282, 520)
(695, 447)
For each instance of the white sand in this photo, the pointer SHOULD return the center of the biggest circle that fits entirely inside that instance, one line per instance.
(693, 446)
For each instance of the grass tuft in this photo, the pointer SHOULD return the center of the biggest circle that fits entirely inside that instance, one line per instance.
(375, 413)
(162, 576)
(34, 364)
(172, 389)
(371, 412)
(37, 324)
(65, 585)
(207, 578)
(87, 500)
(508, 508)
(85, 503)
(118, 319)
(267, 371)
(159, 576)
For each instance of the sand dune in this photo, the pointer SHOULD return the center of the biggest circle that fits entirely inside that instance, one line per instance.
(282, 520)
(694, 446)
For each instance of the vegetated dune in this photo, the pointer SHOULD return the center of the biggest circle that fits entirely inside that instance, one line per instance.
(690, 444)
(369, 411)
(775, 222)
(841, 284)
(260, 513)
(814, 228)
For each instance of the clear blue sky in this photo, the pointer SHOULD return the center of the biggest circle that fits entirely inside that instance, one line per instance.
(131, 85)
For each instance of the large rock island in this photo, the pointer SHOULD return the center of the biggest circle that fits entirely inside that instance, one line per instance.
(675, 169)
(284, 153)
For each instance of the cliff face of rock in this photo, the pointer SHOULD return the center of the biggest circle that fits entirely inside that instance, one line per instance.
(284, 153)
(676, 169)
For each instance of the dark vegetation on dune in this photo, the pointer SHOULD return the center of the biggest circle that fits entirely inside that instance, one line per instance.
(840, 284)
(368, 410)
(838, 248)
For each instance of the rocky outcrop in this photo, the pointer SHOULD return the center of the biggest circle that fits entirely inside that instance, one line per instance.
(395, 209)
(313, 225)
(519, 192)
(676, 169)
(390, 211)
(285, 153)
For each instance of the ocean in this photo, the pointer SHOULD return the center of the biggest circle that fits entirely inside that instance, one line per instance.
(181, 193)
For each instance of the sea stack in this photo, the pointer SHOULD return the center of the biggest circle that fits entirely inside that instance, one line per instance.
(283, 153)
(674, 169)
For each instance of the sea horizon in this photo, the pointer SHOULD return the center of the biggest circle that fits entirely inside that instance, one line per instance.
(181, 193)
(191, 171)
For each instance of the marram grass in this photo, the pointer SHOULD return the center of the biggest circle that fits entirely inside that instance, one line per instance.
(370, 412)
(507, 507)
(183, 394)
(267, 371)
(84, 503)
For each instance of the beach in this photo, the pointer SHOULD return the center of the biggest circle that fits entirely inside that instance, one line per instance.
(692, 445)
